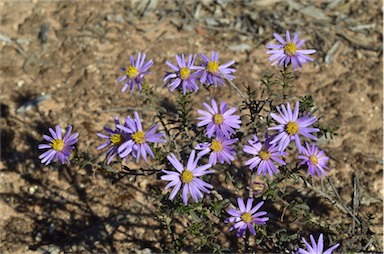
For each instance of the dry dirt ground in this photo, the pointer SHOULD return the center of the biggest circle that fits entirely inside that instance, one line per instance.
(71, 51)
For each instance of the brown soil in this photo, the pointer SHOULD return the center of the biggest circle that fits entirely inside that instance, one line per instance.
(76, 62)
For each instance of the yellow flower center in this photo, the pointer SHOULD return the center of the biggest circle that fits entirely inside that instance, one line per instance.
(246, 217)
(184, 73)
(290, 49)
(218, 119)
(292, 128)
(116, 139)
(264, 155)
(212, 67)
(57, 144)
(186, 176)
(216, 146)
(132, 72)
(138, 137)
(313, 159)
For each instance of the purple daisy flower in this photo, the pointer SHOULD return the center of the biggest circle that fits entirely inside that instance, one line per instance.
(315, 160)
(246, 217)
(291, 126)
(59, 148)
(212, 72)
(188, 177)
(219, 120)
(219, 148)
(138, 142)
(182, 75)
(264, 155)
(114, 139)
(316, 248)
(288, 51)
(135, 72)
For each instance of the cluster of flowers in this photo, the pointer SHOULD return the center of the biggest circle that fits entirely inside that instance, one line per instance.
(290, 127)
(129, 139)
(184, 74)
(221, 122)
(126, 140)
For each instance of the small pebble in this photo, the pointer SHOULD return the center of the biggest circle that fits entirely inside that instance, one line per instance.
(32, 190)
(38, 237)
(20, 83)
(91, 69)
(51, 228)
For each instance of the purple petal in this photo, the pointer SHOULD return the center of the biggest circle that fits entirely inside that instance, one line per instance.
(175, 191)
(279, 38)
(240, 202)
(185, 194)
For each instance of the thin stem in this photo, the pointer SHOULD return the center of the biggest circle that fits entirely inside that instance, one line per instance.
(338, 203)
(245, 97)
(148, 95)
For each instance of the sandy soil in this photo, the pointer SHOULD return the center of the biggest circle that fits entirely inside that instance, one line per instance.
(76, 62)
